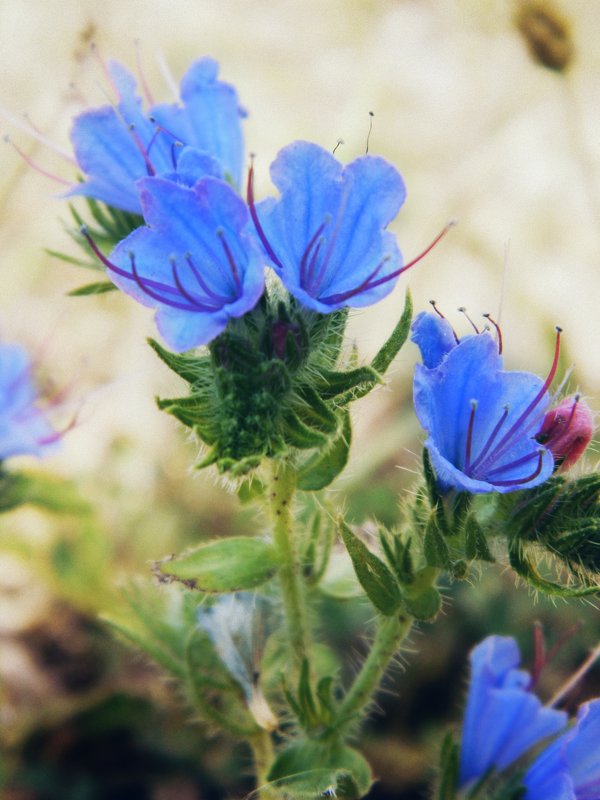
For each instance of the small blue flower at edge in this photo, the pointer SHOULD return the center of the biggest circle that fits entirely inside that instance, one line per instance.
(116, 146)
(24, 427)
(196, 261)
(481, 420)
(325, 235)
(503, 719)
(569, 768)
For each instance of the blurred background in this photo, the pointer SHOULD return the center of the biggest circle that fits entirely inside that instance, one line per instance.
(491, 111)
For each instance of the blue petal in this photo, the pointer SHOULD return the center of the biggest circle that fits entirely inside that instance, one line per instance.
(503, 720)
(348, 209)
(572, 760)
(191, 224)
(443, 397)
(433, 336)
(210, 118)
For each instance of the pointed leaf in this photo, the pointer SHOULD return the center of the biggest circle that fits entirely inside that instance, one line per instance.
(224, 565)
(321, 468)
(299, 435)
(476, 546)
(394, 344)
(524, 567)
(435, 548)
(193, 369)
(333, 384)
(100, 287)
(376, 579)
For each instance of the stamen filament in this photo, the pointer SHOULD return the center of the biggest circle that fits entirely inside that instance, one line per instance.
(218, 298)
(31, 163)
(150, 291)
(491, 438)
(143, 151)
(470, 436)
(230, 260)
(512, 464)
(252, 206)
(463, 310)
(185, 293)
(520, 481)
(304, 259)
(498, 331)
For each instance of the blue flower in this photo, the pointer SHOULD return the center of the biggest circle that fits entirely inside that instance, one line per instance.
(116, 146)
(569, 768)
(24, 426)
(481, 420)
(325, 234)
(503, 719)
(196, 261)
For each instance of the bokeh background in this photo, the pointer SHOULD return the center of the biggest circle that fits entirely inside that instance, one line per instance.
(484, 129)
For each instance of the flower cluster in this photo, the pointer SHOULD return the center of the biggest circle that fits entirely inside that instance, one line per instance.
(200, 258)
(25, 428)
(489, 429)
(504, 721)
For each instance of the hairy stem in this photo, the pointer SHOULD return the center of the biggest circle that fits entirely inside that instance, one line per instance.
(263, 755)
(391, 632)
(281, 494)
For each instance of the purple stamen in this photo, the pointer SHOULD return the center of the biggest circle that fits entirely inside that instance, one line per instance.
(305, 255)
(433, 304)
(490, 440)
(512, 464)
(315, 282)
(218, 298)
(498, 331)
(342, 296)
(252, 207)
(520, 481)
(470, 436)
(311, 266)
(144, 153)
(146, 287)
(463, 310)
(230, 259)
(193, 300)
(505, 441)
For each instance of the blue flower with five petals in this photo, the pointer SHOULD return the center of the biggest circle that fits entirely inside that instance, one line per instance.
(325, 234)
(503, 718)
(196, 261)
(115, 146)
(24, 427)
(481, 420)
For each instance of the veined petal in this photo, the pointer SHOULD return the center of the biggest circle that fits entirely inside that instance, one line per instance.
(327, 228)
(503, 719)
(434, 337)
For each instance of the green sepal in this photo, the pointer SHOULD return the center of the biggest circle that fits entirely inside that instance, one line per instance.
(193, 369)
(524, 567)
(223, 565)
(313, 769)
(355, 382)
(191, 412)
(375, 578)
(314, 412)
(476, 546)
(396, 341)
(436, 499)
(99, 287)
(449, 767)
(435, 548)
(398, 555)
(299, 435)
(424, 606)
(250, 489)
(323, 467)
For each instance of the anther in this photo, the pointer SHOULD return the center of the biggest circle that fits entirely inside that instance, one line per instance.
(371, 115)
(337, 144)
(252, 207)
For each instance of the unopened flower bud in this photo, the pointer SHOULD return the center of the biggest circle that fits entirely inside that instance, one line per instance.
(567, 430)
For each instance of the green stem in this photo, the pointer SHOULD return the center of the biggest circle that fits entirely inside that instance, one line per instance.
(391, 632)
(264, 755)
(292, 590)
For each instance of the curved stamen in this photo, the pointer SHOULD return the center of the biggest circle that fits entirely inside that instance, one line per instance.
(230, 259)
(369, 283)
(316, 281)
(152, 292)
(470, 436)
(252, 207)
(490, 440)
(505, 441)
(518, 462)
(340, 297)
(498, 331)
(143, 151)
(218, 298)
(433, 304)
(463, 310)
(521, 481)
(31, 163)
(305, 255)
(193, 300)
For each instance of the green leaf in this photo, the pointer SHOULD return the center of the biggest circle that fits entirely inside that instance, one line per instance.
(311, 769)
(299, 435)
(224, 565)
(435, 548)
(100, 287)
(324, 466)
(394, 344)
(192, 411)
(476, 546)
(315, 412)
(425, 606)
(333, 384)
(449, 764)
(193, 369)
(376, 579)
(525, 568)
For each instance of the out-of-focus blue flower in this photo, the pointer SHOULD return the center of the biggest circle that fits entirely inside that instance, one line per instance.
(569, 769)
(115, 146)
(236, 626)
(325, 234)
(24, 426)
(481, 420)
(196, 262)
(503, 719)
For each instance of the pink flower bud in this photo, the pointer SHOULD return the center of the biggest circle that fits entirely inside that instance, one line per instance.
(567, 431)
